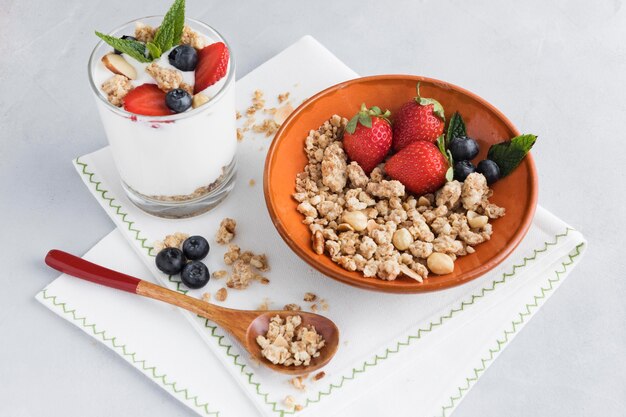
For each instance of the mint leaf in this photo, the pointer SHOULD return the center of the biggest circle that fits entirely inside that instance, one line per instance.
(171, 29)
(129, 47)
(508, 155)
(155, 51)
(456, 127)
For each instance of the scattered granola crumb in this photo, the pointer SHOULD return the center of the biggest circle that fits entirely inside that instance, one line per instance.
(167, 79)
(260, 262)
(221, 294)
(269, 127)
(265, 305)
(252, 182)
(238, 115)
(282, 97)
(206, 296)
(298, 383)
(289, 401)
(116, 89)
(239, 134)
(171, 241)
(144, 33)
(319, 376)
(297, 407)
(281, 113)
(220, 274)
(314, 308)
(292, 307)
(309, 297)
(192, 38)
(226, 232)
(289, 343)
(258, 102)
(324, 305)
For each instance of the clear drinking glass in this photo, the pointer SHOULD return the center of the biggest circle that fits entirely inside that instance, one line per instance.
(173, 166)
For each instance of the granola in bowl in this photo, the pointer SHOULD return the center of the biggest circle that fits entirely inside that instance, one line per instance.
(374, 225)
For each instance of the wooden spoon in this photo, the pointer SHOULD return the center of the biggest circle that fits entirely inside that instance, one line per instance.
(243, 325)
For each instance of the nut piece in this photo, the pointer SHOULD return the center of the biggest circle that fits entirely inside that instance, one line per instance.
(475, 220)
(402, 239)
(198, 100)
(440, 263)
(309, 297)
(118, 65)
(356, 219)
(318, 242)
(221, 294)
(410, 273)
(423, 202)
(319, 376)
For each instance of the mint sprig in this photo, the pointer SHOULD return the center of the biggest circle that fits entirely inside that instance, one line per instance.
(129, 47)
(508, 155)
(170, 31)
(456, 128)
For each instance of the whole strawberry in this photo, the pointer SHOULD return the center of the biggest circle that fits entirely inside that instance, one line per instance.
(419, 119)
(367, 138)
(420, 166)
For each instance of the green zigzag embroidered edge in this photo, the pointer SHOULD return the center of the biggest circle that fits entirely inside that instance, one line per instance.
(132, 357)
(504, 339)
(355, 371)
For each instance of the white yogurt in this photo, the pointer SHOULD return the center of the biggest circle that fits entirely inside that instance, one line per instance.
(174, 155)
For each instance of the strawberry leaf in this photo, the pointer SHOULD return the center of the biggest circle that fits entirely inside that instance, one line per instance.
(134, 49)
(449, 174)
(437, 107)
(351, 126)
(456, 127)
(508, 155)
(365, 120)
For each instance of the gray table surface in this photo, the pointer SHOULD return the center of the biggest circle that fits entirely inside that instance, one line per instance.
(556, 68)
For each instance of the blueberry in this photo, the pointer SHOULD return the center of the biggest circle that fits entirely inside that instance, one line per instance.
(462, 169)
(178, 100)
(132, 38)
(195, 248)
(463, 148)
(170, 261)
(489, 169)
(195, 275)
(183, 57)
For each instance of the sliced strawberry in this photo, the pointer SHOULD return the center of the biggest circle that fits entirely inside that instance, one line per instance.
(212, 65)
(146, 100)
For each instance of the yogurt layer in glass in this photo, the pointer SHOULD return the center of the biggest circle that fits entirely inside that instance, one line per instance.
(178, 165)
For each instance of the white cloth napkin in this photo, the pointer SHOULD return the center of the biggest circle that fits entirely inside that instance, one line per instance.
(448, 337)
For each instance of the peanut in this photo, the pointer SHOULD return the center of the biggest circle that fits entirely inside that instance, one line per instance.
(402, 239)
(440, 263)
(475, 220)
(356, 219)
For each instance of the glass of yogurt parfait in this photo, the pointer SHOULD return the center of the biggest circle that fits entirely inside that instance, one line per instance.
(169, 119)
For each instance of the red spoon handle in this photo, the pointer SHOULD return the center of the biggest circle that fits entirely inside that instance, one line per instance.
(80, 268)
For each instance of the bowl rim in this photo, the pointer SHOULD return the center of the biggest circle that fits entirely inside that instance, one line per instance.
(387, 286)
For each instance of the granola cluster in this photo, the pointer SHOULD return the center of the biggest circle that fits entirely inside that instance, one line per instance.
(268, 126)
(288, 342)
(116, 89)
(370, 224)
(246, 266)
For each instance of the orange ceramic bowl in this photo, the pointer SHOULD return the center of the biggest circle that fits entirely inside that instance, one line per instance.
(286, 157)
